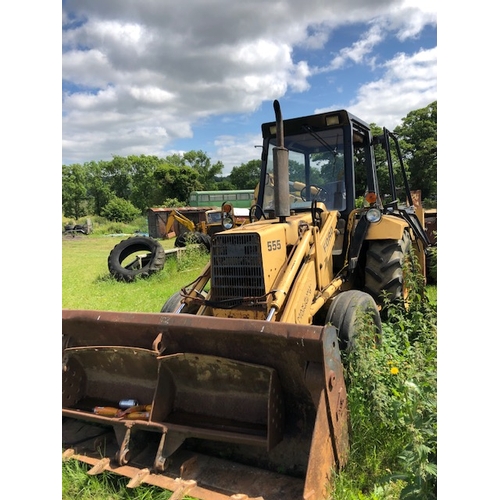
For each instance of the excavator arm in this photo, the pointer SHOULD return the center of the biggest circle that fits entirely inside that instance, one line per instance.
(181, 219)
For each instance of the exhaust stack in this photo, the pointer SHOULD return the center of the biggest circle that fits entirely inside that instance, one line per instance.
(280, 167)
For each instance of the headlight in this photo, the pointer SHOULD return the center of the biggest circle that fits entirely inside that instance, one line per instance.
(227, 222)
(373, 215)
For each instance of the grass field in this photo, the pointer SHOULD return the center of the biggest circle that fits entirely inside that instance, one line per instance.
(87, 284)
(395, 427)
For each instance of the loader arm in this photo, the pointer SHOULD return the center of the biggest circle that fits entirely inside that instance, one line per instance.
(306, 281)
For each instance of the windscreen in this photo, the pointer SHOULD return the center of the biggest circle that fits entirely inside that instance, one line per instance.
(316, 170)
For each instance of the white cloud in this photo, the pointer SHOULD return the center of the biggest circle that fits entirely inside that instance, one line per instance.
(357, 52)
(129, 71)
(413, 15)
(235, 148)
(409, 83)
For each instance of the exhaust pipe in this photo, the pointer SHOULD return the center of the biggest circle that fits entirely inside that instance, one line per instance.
(280, 168)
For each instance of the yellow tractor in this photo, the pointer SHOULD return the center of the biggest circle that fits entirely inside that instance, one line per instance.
(236, 389)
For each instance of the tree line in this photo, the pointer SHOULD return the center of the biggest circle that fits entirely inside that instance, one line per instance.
(125, 187)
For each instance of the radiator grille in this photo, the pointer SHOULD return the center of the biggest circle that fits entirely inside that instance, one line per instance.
(236, 266)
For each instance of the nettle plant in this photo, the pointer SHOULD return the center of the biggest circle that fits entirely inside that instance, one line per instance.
(392, 396)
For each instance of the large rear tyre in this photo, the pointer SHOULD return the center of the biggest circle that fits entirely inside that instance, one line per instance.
(350, 312)
(135, 257)
(384, 269)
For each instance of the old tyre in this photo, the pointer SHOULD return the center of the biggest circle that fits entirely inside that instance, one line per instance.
(350, 312)
(174, 302)
(384, 269)
(135, 257)
(196, 237)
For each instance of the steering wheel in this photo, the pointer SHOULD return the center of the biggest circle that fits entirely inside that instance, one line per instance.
(256, 213)
(321, 194)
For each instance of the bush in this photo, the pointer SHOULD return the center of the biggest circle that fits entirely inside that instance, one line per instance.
(392, 399)
(120, 210)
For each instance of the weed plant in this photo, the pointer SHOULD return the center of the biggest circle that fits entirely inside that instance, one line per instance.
(392, 400)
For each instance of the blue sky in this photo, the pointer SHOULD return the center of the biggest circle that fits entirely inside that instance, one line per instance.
(168, 77)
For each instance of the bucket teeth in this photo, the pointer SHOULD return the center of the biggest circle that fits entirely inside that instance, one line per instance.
(68, 454)
(99, 467)
(138, 478)
(183, 488)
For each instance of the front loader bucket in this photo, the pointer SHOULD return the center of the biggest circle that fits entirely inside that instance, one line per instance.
(225, 408)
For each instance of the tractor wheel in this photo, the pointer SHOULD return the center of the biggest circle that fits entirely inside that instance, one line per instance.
(174, 302)
(348, 312)
(185, 239)
(135, 257)
(385, 261)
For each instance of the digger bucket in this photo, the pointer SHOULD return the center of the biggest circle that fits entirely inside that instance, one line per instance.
(222, 408)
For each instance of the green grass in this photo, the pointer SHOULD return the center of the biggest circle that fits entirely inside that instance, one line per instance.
(77, 484)
(87, 284)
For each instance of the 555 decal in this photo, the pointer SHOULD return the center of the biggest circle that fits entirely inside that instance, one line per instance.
(273, 245)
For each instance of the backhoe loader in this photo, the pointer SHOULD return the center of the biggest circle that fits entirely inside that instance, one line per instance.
(215, 220)
(236, 389)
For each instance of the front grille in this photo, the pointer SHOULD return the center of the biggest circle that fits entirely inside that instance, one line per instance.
(236, 266)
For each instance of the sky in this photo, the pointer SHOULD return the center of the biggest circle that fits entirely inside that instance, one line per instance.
(159, 77)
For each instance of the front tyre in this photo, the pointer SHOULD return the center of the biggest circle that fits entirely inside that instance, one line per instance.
(173, 304)
(351, 312)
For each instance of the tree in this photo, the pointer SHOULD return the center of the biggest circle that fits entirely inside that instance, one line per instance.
(200, 162)
(246, 176)
(98, 190)
(418, 141)
(117, 173)
(145, 191)
(74, 191)
(176, 182)
(224, 184)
